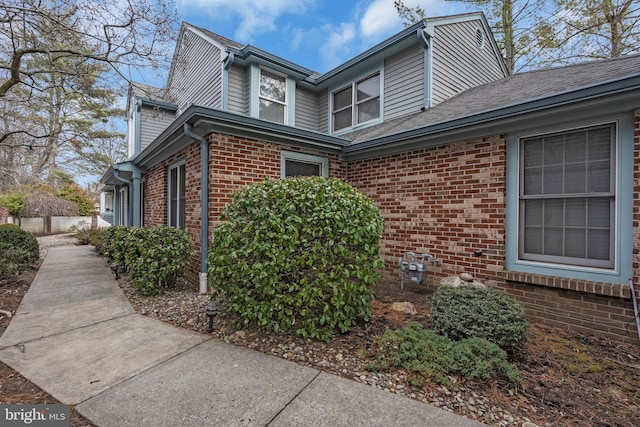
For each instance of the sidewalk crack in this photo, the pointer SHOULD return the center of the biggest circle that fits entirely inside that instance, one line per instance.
(293, 398)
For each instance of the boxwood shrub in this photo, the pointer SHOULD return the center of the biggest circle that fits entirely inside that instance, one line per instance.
(470, 311)
(154, 257)
(299, 253)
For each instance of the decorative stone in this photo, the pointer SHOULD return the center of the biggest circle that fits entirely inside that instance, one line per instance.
(404, 307)
(464, 279)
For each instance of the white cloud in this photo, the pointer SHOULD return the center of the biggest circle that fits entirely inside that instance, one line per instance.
(338, 44)
(381, 17)
(256, 17)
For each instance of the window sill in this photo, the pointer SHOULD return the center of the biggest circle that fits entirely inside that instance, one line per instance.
(589, 287)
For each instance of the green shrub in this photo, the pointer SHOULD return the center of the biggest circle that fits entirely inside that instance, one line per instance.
(12, 261)
(14, 202)
(97, 238)
(17, 237)
(160, 257)
(426, 354)
(154, 256)
(298, 252)
(115, 242)
(469, 311)
(18, 250)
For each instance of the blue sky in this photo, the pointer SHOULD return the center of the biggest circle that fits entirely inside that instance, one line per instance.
(315, 34)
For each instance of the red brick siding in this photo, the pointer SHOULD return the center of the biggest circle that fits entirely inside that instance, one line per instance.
(449, 201)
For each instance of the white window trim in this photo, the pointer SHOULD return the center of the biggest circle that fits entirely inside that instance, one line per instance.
(285, 155)
(354, 103)
(254, 96)
(171, 167)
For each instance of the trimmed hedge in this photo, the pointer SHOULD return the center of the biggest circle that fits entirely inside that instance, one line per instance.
(154, 257)
(299, 253)
(470, 311)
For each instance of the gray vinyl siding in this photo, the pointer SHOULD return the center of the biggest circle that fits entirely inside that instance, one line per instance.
(306, 109)
(458, 62)
(152, 122)
(197, 74)
(404, 82)
(238, 90)
(323, 112)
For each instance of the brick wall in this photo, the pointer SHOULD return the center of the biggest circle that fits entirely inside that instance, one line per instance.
(449, 201)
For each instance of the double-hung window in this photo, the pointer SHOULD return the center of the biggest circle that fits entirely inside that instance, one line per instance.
(272, 97)
(357, 103)
(567, 197)
(176, 216)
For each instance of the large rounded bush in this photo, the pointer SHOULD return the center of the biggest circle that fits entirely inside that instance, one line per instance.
(470, 311)
(15, 236)
(298, 252)
(18, 250)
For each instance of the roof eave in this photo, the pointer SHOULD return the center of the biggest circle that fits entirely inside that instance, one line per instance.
(205, 121)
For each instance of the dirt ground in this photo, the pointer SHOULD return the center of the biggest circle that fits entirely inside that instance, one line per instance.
(568, 379)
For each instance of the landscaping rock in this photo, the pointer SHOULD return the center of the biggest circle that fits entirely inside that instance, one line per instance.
(464, 279)
(404, 307)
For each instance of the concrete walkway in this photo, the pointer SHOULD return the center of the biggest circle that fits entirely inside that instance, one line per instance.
(77, 337)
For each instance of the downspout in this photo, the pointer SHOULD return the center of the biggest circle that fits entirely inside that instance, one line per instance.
(226, 64)
(425, 40)
(635, 305)
(129, 193)
(204, 204)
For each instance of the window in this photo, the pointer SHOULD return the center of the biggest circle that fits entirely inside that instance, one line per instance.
(176, 195)
(357, 103)
(567, 197)
(123, 210)
(273, 97)
(300, 164)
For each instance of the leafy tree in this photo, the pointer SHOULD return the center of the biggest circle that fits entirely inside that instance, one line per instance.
(14, 202)
(73, 193)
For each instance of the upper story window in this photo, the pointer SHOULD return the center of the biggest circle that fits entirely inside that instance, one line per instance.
(567, 201)
(273, 97)
(357, 103)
